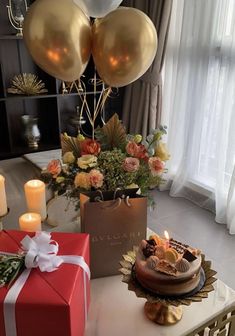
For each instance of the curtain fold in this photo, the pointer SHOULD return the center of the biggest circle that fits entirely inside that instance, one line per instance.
(142, 106)
(199, 104)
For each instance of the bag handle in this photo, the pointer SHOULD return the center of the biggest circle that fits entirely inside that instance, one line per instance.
(116, 201)
(114, 205)
(99, 198)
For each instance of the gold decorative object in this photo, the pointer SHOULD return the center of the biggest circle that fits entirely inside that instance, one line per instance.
(27, 84)
(67, 87)
(164, 310)
(16, 10)
(31, 133)
(163, 314)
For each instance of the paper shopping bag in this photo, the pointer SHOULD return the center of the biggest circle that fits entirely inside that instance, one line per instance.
(114, 225)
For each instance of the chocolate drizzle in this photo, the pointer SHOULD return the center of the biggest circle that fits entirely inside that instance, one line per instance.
(178, 246)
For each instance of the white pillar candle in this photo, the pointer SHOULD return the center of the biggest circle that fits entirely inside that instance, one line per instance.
(3, 200)
(35, 194)
(30, 222)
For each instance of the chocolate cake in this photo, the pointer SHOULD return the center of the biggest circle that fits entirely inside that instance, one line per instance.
(167, 267)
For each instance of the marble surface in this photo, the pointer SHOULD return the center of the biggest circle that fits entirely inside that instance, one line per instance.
(115, 311)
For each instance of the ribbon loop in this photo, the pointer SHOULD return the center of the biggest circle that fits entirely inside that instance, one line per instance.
(41, 252)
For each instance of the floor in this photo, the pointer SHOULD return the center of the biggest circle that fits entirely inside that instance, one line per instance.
(195, 226)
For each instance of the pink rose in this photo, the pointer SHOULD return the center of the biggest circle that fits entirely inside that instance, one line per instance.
(131, 164)
(131, 148)
(156, 165)
(96, 178)
(54, 168)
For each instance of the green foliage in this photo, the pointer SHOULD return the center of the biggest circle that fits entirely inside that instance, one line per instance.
(10, 267)
(110, 164)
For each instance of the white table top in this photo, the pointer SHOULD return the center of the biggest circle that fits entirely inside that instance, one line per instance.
(115, 311)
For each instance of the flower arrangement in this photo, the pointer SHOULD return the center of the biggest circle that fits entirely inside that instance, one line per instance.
(112, 160)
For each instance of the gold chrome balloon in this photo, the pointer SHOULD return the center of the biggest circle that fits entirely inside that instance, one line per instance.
(58, 36)
(124, 44)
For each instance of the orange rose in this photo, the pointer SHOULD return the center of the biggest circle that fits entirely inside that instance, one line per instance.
(138, 151)
(90, 146)
(131, 148)
(54, 168)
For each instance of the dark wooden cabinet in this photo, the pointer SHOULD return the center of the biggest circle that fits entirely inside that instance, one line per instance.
(53, 109)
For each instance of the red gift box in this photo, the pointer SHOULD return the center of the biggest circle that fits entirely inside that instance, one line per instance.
(50, 303)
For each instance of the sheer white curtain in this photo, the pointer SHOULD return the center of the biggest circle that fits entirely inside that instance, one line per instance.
(199, 104)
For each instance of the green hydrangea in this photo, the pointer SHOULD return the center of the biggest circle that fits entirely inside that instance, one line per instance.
(110, 164)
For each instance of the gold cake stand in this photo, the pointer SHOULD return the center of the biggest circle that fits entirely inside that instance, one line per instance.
(159, 309)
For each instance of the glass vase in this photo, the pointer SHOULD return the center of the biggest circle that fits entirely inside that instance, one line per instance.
(31, 132)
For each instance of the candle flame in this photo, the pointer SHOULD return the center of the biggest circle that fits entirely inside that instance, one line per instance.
(30, 217)
(166, 234)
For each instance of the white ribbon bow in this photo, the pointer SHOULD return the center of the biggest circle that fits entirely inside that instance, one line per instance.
(41, 252)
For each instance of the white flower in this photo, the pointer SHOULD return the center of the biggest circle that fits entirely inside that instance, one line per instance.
(87, 161)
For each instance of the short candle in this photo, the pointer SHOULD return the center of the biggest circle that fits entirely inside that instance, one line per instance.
(35, 194)
(30, 222)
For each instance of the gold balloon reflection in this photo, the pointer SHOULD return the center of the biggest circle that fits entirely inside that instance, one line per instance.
(58, 36)
(124, 44)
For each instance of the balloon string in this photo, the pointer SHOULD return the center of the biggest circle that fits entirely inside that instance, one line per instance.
(98, 106)
(94, 116)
